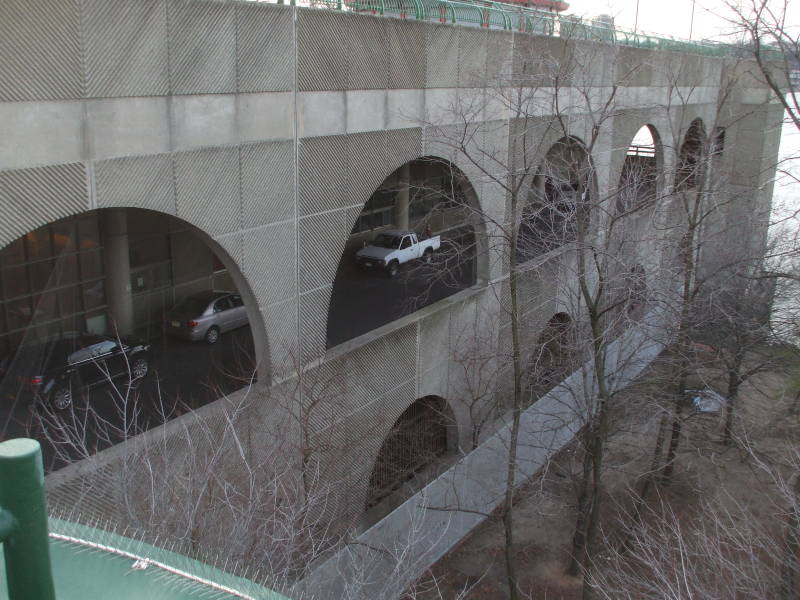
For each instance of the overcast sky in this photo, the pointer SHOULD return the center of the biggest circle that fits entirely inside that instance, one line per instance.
(670, 17)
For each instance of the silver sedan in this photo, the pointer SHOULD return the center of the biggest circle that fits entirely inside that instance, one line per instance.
(205, 315)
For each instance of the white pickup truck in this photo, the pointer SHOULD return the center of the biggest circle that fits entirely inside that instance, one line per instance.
(393, 248)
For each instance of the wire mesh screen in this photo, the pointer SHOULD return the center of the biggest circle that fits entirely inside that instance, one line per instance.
(417, 439)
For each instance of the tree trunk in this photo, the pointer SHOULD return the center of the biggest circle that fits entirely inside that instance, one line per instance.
(508, 503)
(791, 561)
(674, 440)
(730, 406)
(579, 537)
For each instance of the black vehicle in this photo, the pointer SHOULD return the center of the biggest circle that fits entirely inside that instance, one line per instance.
(55, 370)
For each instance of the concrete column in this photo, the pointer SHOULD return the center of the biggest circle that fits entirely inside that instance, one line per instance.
(117, 265)
(402, 197)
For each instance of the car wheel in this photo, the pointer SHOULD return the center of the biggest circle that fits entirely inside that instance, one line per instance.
(392, 269)
(427, 256)
(61, 397)
(212, 335)
(139, 368)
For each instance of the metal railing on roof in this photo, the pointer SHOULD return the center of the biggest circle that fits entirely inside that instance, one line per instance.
(498, 15)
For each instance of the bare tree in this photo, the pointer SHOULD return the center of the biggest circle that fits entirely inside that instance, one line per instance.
(548, 180)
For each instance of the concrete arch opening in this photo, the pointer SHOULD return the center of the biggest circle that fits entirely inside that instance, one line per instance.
(424, 434)
(639, 179)
(558, 201)
(628, 300)
(691, 157)
(413, 243)
(553, 356)
(114, 321)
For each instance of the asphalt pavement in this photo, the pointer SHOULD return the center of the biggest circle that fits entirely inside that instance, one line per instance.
(363, 300)
(183, 376)
(186, 375)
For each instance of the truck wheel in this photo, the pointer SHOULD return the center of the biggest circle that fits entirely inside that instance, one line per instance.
(392, 268)
(427, 256)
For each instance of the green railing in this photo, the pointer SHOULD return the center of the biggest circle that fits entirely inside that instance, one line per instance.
(498, 15)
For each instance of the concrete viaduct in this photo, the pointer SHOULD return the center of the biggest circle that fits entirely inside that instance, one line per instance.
(266, 128)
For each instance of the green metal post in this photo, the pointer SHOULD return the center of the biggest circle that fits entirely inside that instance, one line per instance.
(26, 547)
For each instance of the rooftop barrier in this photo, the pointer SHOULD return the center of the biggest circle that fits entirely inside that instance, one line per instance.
(509, 17)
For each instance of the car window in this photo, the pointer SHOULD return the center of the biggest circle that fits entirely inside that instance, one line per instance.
(222, 304)
(237, 301)
(193, 305)
(92, 351)
(406, 242)
(386, 240)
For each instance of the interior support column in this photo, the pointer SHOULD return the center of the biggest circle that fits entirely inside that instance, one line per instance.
(116, 259)
(402, 198)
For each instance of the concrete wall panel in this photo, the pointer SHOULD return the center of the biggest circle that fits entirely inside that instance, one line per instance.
(366, 110)
(136, 182)
(403, 145)
(323, 56)
(127, 126)
(322, 239)
(202, 47)
(274, 279)
(434, 344)
(404, 108)
(368, 60)
(40, 133)
(322, 175)
(280, 321)
(472, 50)
(321, 113)
(267, 182)
(406, 50)
(442, 50)
(233, 245)
(207, 189)
(383, 365)
(31, 198)
(499, 56)
(40, 50)
(264, 47)
(313, 314)
(265, 116)
(366, 165)
(203, 120)
(125, 46)
(635, 67)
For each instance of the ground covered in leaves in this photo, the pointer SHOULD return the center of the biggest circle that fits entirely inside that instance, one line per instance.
(727, 491)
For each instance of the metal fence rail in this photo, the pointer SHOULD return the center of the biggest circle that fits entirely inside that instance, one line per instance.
(498, 15)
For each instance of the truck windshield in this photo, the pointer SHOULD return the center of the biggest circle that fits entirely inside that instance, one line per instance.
(385, 240)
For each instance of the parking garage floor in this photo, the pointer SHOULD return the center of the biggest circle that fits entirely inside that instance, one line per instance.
(365, 300)
(183, 376)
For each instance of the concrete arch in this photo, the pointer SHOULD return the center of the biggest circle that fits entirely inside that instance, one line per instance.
(626, 169)
(553, 355)
(446, 204)
(552, 211)
(422, 433)
(472, 199)
(114, 229)
(691, 155)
